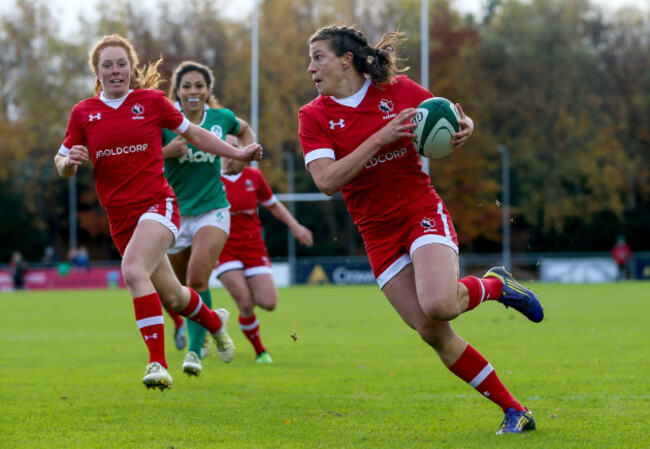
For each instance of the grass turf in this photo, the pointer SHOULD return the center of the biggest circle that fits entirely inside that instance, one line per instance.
(71, 365)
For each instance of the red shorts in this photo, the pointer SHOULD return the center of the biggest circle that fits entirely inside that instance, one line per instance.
(390, 245)
(248, 255)
(123, 223)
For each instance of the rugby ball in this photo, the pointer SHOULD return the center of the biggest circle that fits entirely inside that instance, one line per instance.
(437, 119)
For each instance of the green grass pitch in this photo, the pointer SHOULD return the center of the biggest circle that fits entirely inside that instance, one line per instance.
(71, 365)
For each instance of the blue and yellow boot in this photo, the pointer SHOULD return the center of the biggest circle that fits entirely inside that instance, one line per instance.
(517, 296)
(516, 422)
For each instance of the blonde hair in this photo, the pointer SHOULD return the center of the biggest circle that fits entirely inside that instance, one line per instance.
(146, 77)
(191, 66)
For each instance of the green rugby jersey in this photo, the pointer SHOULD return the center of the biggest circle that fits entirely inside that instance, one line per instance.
(196, 177)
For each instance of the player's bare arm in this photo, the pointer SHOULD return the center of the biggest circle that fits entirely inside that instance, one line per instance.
(300, 232)
(246, 135)
(303, 235)
(466, 128)
(176, 148)
(231, 166)
(208, 142)
(330, 175)
(67, 165)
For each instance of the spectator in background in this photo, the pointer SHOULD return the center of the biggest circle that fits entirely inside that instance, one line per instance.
(49, 257)
(81, 259)
(622, 254)
(72, 252)
(17, 266)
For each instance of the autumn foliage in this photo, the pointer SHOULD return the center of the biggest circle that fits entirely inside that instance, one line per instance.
(565, 88)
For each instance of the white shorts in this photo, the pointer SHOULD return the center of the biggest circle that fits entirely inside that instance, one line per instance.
(249, 272)
(190, 225)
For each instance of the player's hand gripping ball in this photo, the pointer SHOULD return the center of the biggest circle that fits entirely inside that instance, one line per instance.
(437, 119)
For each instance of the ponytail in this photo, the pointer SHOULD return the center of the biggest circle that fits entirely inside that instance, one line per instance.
(379, 63)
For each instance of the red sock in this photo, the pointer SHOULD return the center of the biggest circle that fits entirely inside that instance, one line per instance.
(251, 328)
(197, 311)
(480, 290)
(476, 371)
(178, 320)
(150, 320)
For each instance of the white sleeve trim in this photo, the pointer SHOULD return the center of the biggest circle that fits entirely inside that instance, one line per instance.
(183, 127)
(63, 151)
(319, 154)
(270, 202)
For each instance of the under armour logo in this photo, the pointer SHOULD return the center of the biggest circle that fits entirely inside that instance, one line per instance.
(339, 123)
(91, 117)
(147, 337)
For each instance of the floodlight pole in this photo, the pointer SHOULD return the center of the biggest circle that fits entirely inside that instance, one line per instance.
(505, 207)
(424, 58)
(72, 212)
(255, 50)
(291, 241)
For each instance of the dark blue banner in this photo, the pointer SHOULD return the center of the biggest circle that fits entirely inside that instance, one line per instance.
(642, 268)
(334, 272)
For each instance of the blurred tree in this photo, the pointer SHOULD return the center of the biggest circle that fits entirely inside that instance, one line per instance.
(625, 65)
(285, 85)
(198, 32)
(565, 88)
(40, 78)
(627, 84)
(468, 180)
(546, 98)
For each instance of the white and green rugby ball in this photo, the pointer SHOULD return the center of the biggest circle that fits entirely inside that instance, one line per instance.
(437, 119)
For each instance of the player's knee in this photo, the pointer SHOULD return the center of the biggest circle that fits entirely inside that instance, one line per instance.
(175, 298)
(268, 301)
(133, 274)
(244, 303)
(440, 308)
(172, 301)
(268, 306)
(197, 284)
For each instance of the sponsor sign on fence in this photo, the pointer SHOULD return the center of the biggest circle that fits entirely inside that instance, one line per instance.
(54, 278)
(341, 272)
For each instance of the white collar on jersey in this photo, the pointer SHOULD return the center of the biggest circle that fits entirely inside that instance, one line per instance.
(356, 99)
(180, 108)
(114, 102)
(232, 178)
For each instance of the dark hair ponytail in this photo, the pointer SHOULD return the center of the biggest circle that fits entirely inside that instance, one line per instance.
(380, 63)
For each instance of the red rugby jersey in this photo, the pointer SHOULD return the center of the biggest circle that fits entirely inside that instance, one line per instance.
(394, 176)
(125, 145)
(244, 191)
